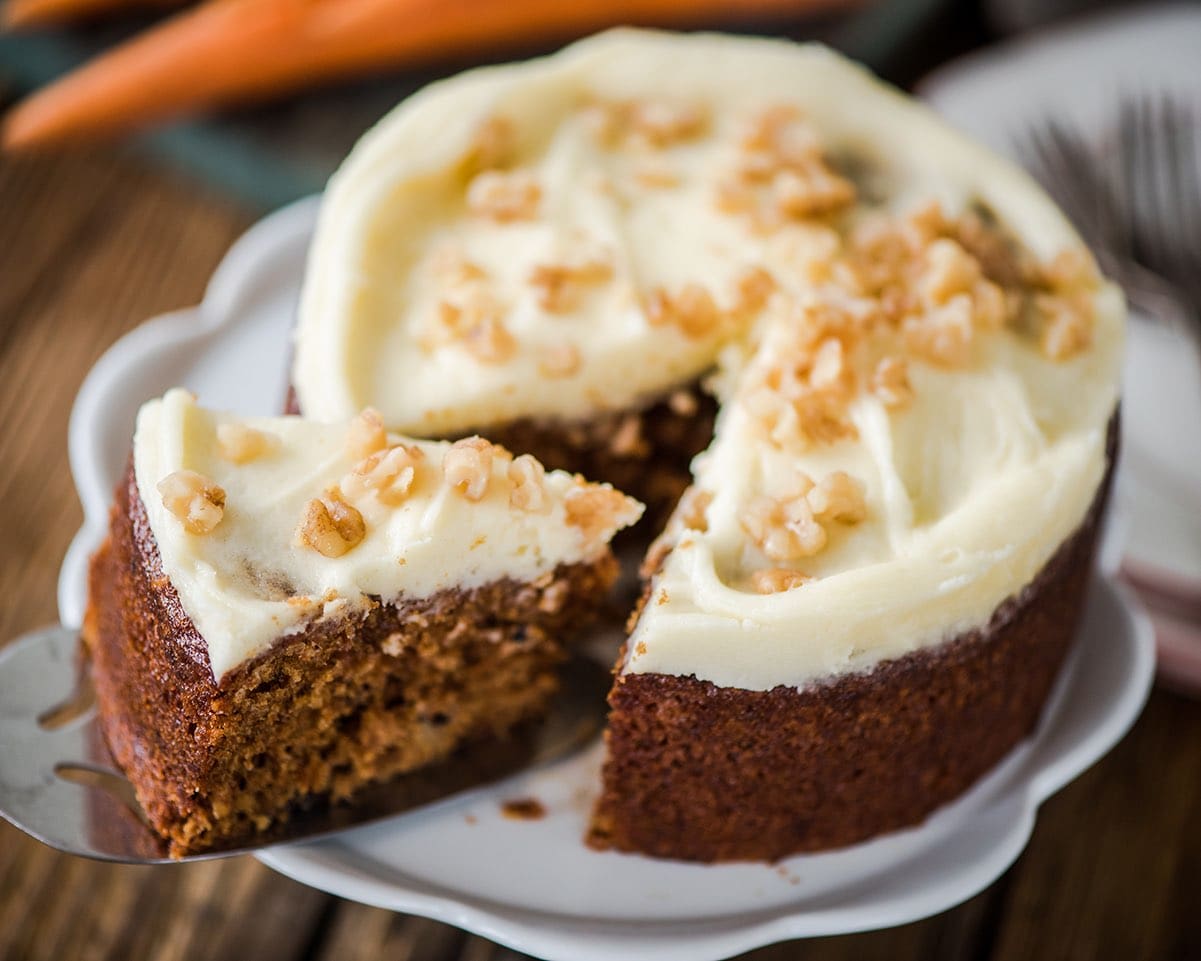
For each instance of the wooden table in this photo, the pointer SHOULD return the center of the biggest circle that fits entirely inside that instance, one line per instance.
(92, 243)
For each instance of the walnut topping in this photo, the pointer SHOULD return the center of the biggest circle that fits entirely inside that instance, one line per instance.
(504, 197)
(753, 289)
(475, 324)
(890, 382)
(783, 529)
(652, 123)
(627, 439)
(366, 434)
(194, 499)
(240, 444)
(559, 360)
(838, 497)
(330, 526)
(790, 527)
(492, 146)
(782, 174)
(596, 509)
(692, 509)
(529, 485)
(682, 403)
(656, 178)
(389, 474)
(777, 579)
(1066, 325)
(692, 311)
(560, 286)
(454, 270)
(1065, 309)
(467, 467)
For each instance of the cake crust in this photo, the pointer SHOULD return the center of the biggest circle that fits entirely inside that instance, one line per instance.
(327, 710)
(705, 773)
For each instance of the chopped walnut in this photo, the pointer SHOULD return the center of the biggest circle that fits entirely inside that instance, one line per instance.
(504, 197)
(389, 474)
(454, 270)
(692, 509)
(753, 289)
(828, 369)
(194, 499)
(366, 434)
(528, 478)
(475, 324)
(1065, 325)
(240, 444)
(943, 336)
(492, 146)
(652, 123)
(467, 467)
(782, 174)
(838, 497)
(682, 403)
(560, 286)
(559, 360)
(330, 526)
(783, 529)
(627, 439)
(777, 579)
(890, 382)
(692, 311)
(596, 509)
(490, 342)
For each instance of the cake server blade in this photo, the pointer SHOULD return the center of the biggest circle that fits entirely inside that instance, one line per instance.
(59, 784)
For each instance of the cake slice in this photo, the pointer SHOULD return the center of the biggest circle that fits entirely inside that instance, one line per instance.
(286, 611)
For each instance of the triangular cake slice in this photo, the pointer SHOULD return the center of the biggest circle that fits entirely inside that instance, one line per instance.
(287, 610)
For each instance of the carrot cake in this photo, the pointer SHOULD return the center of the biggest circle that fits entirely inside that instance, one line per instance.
(864, 599)
(287, 611)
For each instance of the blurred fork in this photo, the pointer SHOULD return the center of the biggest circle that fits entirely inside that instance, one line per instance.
(1135, 196)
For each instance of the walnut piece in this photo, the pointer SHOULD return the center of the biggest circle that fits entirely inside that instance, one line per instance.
(504, 196)
(784, 530)
(559, 360)
(528, 478)
(693, 311)
(366, 434)
(890, 382)
(467, 467)
(389, 474)
(194, 499)
(692, 509)
(240, 444)
(596, 509)
(656, 124)
(777, 579)
(492, 145)
(838, 497)
(330, 526)
(475, 324)
(561, 286)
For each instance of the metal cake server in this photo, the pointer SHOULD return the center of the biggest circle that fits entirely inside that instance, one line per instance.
(59, 784)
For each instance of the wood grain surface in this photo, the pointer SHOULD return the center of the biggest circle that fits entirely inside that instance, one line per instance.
(92, 243)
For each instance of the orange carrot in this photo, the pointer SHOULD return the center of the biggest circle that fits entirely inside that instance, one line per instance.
(18, 14)
(228, 51)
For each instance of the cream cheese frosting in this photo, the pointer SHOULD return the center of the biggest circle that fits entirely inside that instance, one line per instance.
(247, 580)
(602, 173)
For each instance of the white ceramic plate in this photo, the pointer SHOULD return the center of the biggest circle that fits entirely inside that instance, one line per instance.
(532, 884)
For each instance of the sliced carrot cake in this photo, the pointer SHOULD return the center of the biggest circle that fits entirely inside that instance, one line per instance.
(286, 610)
